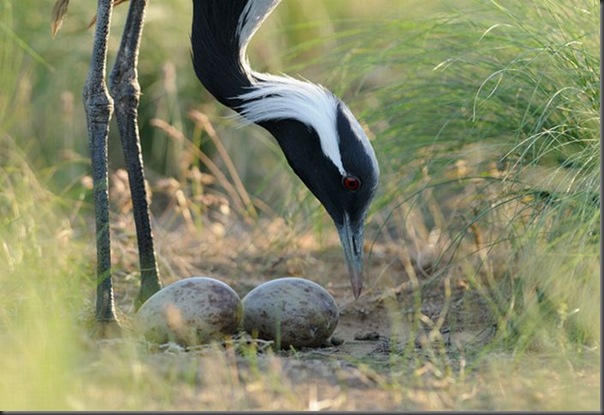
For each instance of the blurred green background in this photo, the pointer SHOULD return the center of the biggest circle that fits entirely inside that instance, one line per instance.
(301, 38)
(485, 117)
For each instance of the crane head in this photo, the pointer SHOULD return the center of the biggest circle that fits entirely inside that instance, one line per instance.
(321, 139)
(327, 148)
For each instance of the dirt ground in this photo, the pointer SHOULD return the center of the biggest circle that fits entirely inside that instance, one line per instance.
(418, 338)
(414, 322)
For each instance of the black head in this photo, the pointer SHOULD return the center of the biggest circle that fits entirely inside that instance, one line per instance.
(343, 177)
(321, 139)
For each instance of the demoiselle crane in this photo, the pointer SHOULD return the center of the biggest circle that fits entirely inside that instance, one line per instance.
(321, 139)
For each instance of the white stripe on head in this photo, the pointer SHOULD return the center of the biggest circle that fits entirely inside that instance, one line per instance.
(276, 97)
(359, 133)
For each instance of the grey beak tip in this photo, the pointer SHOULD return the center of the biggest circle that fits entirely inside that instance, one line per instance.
(356, 291)
(352, 241)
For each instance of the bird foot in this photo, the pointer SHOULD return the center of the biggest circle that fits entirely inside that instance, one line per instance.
(107, 330)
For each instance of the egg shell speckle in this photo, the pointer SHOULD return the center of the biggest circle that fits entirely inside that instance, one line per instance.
(191, 311)
(291, 311)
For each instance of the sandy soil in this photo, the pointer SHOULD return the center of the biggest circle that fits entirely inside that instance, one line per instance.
(397, 317)
(407, 343)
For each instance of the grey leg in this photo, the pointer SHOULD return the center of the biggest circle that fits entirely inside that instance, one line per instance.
(99, 107)
(126, 91)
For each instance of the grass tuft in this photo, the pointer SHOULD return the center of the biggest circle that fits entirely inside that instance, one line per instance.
(487, 125)
(483, 243)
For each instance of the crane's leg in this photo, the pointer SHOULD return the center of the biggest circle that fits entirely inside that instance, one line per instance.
(125, 90)
(99, 108)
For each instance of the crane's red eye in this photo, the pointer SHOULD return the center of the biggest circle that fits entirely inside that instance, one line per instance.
(351, 183)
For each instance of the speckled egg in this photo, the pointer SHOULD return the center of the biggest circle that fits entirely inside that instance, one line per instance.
(291, 311)
(191, 311)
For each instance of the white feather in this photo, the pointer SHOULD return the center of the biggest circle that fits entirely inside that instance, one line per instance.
(282, 97)
(276, 97)
(254, 13)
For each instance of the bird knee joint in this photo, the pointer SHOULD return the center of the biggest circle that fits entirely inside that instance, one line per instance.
(98, 104)
(125, 87)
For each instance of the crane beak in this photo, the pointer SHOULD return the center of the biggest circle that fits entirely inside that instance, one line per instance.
(351, 236)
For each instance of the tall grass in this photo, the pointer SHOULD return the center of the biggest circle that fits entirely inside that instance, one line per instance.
(488, 128)
(40, 300)
(486, 125)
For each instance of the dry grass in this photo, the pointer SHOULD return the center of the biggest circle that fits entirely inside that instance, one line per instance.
(467, 306)
(434, 357)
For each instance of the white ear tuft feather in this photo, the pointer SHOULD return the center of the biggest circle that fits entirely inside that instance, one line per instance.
(276, 97)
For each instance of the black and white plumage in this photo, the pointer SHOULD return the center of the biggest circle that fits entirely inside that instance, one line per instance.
(320, 137)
